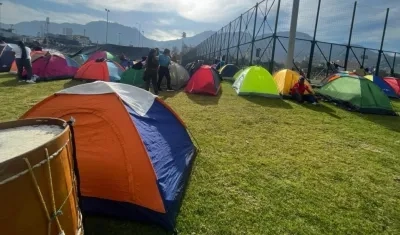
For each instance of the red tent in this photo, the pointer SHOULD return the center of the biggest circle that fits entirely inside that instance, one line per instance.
(394, 83)
(204, 81)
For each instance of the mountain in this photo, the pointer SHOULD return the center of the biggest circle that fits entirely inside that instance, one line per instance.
(117, 33)
(96, 31)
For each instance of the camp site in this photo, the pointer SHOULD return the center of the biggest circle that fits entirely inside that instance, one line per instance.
(147, 118)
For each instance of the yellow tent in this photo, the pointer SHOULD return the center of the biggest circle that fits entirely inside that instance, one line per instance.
(285, 80)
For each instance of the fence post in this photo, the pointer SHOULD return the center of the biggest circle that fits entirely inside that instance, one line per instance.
(229, 40)
(330, 56)
(363, 57)
(292, 34)
(378, 63)
(211, 45)
(272, 61)
(215, 44)
(394, 64)
(254, 35)
(222, 42)
(351, 33)
(238, 44)
(310, 61)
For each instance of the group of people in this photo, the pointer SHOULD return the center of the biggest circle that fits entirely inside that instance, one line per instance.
(156, 68)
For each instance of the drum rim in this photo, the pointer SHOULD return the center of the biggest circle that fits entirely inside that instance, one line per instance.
(4, 166)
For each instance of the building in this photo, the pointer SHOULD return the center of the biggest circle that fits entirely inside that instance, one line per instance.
(67, 32)
(83, 40)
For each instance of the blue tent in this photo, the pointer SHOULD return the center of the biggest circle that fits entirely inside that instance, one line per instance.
(385, 87)
(7, 57)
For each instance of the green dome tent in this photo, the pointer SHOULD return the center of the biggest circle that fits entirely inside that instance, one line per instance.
(133, 77)
(359, 94)
(256, 80)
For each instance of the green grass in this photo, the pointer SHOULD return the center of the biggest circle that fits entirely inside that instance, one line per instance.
(270, 166)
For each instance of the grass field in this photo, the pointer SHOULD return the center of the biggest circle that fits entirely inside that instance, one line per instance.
(270, 166)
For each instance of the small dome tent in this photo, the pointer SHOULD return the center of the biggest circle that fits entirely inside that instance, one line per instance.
(256, 80)
(204, 81)
(134, 152)
(359, 94)
(100, 69)
(285, 80)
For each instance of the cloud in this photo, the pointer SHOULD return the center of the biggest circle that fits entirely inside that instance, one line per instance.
(166, 35)
(13, 13)
(207, 11)
(165, 21)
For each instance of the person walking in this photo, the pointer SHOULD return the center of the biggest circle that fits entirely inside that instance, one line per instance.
(165, 60)
(23, 61)
(150, 73)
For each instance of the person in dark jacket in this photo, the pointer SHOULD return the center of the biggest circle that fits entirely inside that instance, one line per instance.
(164, 60)
(23, 61)
(150, 74)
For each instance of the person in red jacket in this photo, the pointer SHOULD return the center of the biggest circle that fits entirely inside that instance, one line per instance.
(298, 91)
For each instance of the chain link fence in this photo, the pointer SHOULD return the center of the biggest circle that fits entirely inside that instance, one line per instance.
(343, 32)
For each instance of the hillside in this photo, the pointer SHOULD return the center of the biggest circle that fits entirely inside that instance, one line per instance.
(96, 31)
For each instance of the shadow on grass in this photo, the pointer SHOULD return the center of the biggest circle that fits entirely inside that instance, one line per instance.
(322, 108)
(268, 102)
(164, 95)
(205, 100)
(388, 122)
(72, 83)
(7, 75)
(12, 83)
(105, 225)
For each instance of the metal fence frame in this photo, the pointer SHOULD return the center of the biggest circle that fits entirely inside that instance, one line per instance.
(230, 39)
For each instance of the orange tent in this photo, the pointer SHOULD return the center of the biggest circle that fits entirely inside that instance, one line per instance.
(13, 69)
(134, 153)
(100, 69)
(285, 80)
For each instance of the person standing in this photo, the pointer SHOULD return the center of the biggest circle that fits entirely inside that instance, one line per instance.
(23, 61)
(221, 63)
(150, 73)
(164, 60)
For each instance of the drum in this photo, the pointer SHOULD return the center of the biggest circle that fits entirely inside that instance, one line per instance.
(38, 187)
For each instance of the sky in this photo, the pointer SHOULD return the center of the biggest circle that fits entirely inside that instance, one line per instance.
(167, 19)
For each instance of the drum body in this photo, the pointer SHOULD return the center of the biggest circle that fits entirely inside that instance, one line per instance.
(38, 193)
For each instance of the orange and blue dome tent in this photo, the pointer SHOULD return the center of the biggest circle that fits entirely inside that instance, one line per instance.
(134, 153)
(100, 70)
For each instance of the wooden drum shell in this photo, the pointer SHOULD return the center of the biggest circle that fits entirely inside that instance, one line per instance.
(21, 207)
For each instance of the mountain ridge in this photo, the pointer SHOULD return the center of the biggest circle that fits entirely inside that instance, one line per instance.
(117, 33)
